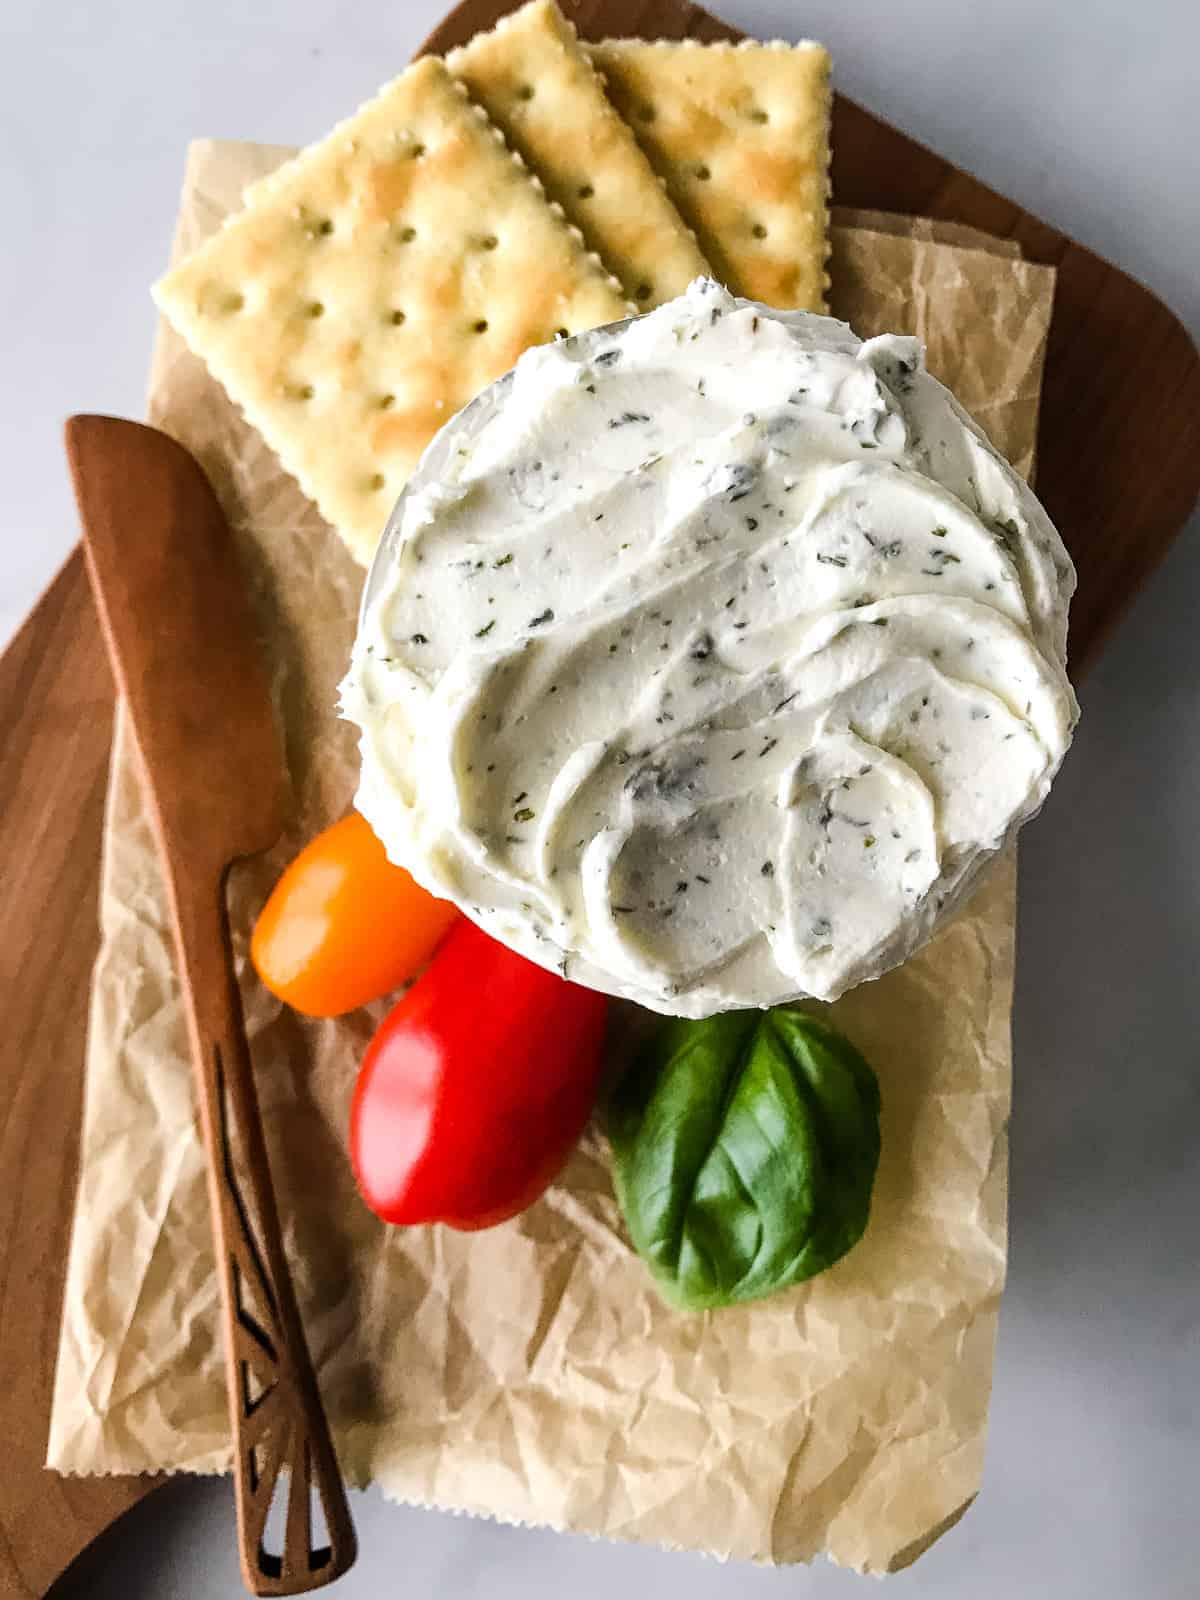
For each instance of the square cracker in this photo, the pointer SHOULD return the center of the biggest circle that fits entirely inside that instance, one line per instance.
(537, 83)
(740, 133)
(375, 284)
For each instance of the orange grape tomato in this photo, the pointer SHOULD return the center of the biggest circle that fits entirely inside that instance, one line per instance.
(344, 925)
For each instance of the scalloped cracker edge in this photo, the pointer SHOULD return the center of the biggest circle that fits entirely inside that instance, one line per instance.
(538, 85)
(375, 284)
(740, 135)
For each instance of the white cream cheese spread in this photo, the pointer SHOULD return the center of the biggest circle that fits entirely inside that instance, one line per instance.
(709, 656)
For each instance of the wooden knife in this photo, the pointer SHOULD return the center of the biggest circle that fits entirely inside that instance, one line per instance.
(177, 620)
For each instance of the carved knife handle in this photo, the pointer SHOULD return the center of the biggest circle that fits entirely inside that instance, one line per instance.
(278, 1420)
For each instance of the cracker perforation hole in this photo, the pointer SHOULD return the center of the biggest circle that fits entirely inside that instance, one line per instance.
(489, 242)
(299, 391)
(314, 309)
(479, 325)
(703, 173)
(397, 318)
(586, 191)
(386, 402)
(407, 234)
(644, 291)
(233, 302)
(759, 115)
(759, 231)
(525, 92)
(376, 482)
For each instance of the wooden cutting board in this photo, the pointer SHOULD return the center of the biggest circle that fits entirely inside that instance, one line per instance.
(1119, 483)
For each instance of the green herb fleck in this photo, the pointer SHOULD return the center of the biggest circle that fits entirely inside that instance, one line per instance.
(1009, 534)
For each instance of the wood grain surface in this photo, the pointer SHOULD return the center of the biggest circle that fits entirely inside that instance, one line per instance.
(1120, 484)
(56, 699)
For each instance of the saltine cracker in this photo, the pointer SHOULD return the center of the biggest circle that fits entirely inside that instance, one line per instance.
(375, 284)
(538, 85)
(740, 134)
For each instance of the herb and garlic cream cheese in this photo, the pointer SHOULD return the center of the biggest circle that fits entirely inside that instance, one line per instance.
(709, 656)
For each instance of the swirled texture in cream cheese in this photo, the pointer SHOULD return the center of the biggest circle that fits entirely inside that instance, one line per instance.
(709, 658)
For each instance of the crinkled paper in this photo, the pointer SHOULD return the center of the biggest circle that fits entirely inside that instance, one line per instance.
(531, 1373)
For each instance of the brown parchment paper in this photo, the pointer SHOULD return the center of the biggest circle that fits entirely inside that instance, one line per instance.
(531, 1373)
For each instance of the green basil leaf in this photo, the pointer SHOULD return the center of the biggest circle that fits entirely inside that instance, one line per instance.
(745, 1147)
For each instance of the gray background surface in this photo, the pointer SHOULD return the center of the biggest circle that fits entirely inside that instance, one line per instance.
(1085, 112)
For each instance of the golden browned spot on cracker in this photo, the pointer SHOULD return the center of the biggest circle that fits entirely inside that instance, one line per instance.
(388, 186)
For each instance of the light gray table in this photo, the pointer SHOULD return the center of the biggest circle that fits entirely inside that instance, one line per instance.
(1087, 112)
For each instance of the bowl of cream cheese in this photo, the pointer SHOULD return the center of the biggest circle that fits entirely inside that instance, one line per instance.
(709, 656)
